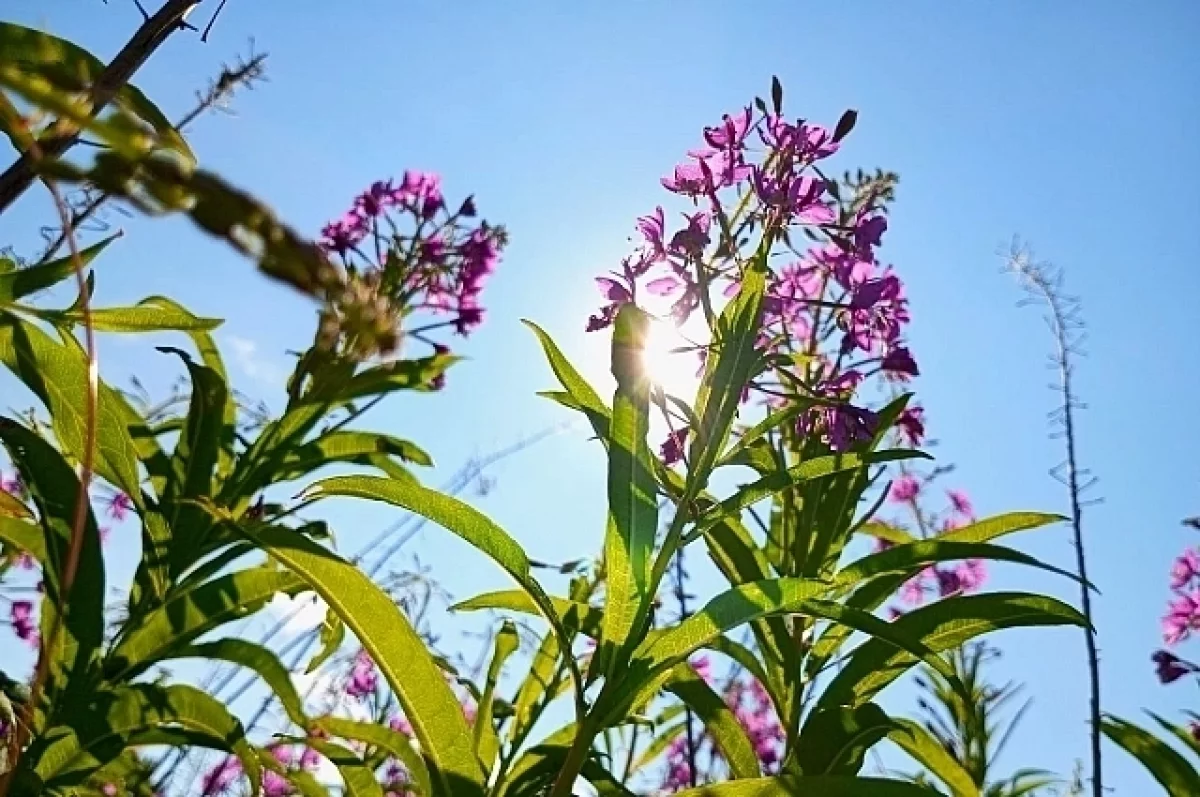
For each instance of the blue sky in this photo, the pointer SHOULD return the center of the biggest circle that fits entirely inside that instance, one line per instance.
(1073, 125)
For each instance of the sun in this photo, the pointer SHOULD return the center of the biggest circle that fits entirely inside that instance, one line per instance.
(670, 358)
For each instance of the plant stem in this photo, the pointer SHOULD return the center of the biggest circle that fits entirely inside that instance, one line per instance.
(564, 784)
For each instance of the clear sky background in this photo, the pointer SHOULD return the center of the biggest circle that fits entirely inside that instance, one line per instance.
(1072, 124)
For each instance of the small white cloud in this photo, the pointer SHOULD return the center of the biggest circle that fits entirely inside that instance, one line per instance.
(251, 361)
(300, 614)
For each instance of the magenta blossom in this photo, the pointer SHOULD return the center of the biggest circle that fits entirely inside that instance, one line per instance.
(671, 452)
(220, 779)
(960, 502)
(905, 488)
(22, 622)
(118, 506)
(899, 364)
(1185, 569)
(911, 425)
(1183, 616)
(363, 677)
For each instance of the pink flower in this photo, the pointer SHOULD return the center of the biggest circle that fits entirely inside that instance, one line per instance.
(905, 488)
(912, 591)
(118, 506)
(1183, 616)
(13, 485)
(911, 425)
(960, 502)
(1185, 568)
(400, 725)
(971, 574)
(22, 622)
(363, 678)
(221, 777)
(671, 452)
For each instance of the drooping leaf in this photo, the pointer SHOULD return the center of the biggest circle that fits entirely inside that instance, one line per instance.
(722, 725)
(575, 616)
(1172, 771)
(358, 780)
(927, 751)
(383, 737)
(189, 613)
(454, 516)
(915, 556)
(257, 658)
(940, 626)
(395, 647)
(587, 399)
(835, 741)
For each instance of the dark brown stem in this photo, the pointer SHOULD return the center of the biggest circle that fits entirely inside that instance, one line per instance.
(63, 134)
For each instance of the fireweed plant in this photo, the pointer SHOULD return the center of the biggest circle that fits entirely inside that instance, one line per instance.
(776, 260)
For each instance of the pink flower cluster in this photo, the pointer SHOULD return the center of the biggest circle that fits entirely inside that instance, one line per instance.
(226, 773)
(20, 618)
(1183, 611)
(835, 291)
(405, 253)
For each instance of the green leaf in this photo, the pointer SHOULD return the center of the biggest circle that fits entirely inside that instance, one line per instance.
(835, 741)
(252, 656)
(1169, 768)
(1184, 735)
(746, 602)
(815, 786)
(20, 283)
(56, 491)
(543, 676)
(25, 537)
(914, 556)
(69, 68)
(456, 517)
(58, 375)
(101, 731)
(727, 371)
(940, 626)
(333, 632)
(359, 448)
(142, 319)
(633, 510)
(358, 780)
(383, 737)
(927, 751)
(1000, 526)
(722, 724)
(211, 357)
(189, 613)
(809, 470)
(586, 398)
(396, 648)
(486, 744)
(575, 616)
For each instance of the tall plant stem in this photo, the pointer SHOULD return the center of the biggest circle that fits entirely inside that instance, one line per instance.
(1044, 284)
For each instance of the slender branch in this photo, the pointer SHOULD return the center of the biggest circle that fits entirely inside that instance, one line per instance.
(1044, 283)
(63, 134)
